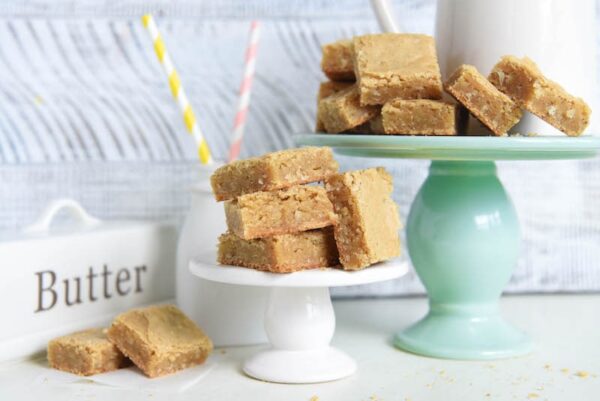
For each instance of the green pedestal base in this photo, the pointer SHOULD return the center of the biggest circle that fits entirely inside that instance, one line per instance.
(463, 334)
(462, 233)
(463, 240)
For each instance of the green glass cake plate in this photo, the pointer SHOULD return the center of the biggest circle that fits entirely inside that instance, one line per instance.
(462, 234)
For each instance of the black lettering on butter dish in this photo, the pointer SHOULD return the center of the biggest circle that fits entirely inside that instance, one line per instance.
(48, 290)
(105, 274)
(119, 283)
(77, 288)
(91, 276)
(138, 279)
(123, 276)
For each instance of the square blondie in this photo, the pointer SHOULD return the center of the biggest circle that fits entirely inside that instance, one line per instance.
(273, 171)
(368, 221)
(284, 253)
(337, 62)
(419, 117)
(326, 89)
(392, 65)
(263, 214)
(484, 101)
(524, 83)
(159, 339)
(342, 111)
(85, 353)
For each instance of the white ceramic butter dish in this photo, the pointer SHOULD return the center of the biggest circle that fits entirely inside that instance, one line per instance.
(57, 279)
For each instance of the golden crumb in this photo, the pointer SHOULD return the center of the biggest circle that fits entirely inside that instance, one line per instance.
(314, 398)
(533, 395)
(547, 366)
(582, 373)
(565, 370)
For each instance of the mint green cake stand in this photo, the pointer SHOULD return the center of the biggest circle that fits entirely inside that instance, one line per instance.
(462, 233)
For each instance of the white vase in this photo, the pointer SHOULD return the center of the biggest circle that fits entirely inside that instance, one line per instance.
(558, 35)
(229, 314)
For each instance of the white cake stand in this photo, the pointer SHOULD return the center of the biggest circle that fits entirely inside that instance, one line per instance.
(299, 319)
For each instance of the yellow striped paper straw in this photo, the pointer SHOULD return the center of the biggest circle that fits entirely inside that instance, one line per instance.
(177, 90)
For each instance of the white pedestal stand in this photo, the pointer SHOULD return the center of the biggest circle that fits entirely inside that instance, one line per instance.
(299, 318)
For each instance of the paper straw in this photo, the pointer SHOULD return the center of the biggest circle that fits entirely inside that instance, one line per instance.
(245, 92)
(177, 90)
(385, 15)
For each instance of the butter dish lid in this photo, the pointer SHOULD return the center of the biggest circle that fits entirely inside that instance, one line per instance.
(81, 222)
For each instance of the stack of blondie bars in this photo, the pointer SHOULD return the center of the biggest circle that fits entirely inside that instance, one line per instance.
(384, 84)
(391, 84)
(279, 223)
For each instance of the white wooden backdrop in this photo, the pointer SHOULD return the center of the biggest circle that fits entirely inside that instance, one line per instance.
(85, 112)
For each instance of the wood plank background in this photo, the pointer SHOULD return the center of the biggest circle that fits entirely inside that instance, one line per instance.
(85, 112)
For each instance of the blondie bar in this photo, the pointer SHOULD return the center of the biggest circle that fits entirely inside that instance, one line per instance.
(368, 222)
(327, 89)
(342, 111)
(159, 339)
(524, 83)
(281, 253)
(493, 108)
(419, 117)
(337, 61)
(376, 125)
(263, 214)
(392, 65)
(273, 171)
(85, 353)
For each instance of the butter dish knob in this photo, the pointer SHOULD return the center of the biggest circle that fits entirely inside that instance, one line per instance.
(44, 221)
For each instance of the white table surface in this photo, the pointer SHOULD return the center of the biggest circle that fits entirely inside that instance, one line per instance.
(565, 365)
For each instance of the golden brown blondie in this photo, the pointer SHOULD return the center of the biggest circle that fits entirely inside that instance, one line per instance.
(284, 253)
(337, 61)
(263, 214)
(419, 117)
(392, 65)
(85, 353)
(524, 83)
(376, 125)
(368, 221)
(327, 89)
(273, 171)
(342, 111)
(159, 339)
(493, 108)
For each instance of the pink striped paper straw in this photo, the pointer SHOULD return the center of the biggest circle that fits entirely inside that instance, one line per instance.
(245, 92)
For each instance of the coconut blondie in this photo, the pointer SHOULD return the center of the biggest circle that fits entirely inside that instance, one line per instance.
(273, 171)
(342, 111)
(326, 89)
(484, 101)
(392, 65)
(337, 62)
(85, 353)
(524, 83)
(280, 253)
(419, 117)
(263, 214)
(368, 221)
(159, 339)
